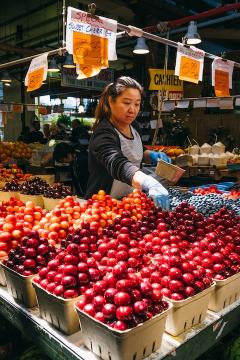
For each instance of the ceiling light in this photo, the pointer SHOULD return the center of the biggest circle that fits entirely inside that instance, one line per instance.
(192, 34)
(7, 84)
(81, 109)
(141, 47)
(6, 77)
(69, 62)
(52, 67)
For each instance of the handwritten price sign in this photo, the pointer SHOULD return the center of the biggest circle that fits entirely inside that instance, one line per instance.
(35, 79)
(189, 69)
(222, 83)
(90, 50)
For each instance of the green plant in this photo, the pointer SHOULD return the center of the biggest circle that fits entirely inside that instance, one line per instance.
(64, 119)
(175, 131)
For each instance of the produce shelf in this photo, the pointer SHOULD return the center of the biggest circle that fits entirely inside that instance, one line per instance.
(188, 345)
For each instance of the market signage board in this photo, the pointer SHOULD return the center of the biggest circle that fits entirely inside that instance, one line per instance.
(189, 63)
(173, 86)
(98, 82)
(91, 40)
(37, 72)
(222, 76)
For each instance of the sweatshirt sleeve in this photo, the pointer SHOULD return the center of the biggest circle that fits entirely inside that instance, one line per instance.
(106, 148)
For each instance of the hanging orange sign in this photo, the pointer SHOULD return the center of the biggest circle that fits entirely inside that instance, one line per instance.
(42, 110)
(189, 69)
(222, 83)
(90, 50)
(17, 108)
(35, 79)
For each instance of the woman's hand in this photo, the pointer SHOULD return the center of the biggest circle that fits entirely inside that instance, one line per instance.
(154, 156)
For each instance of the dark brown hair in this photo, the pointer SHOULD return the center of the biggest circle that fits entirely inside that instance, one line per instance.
(103, 110)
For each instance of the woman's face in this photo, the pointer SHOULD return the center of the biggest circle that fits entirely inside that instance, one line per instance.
(53, 131)
(126, 107)
(68, 159)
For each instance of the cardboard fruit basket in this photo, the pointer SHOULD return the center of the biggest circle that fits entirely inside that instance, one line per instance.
(3, 281)
(57, 311)
(133, 344)
(50, 179)
(169, 171)
(225, 293)
(188, 312)
(20, 287)
(50, 204)
(37, 199)
(6, 195)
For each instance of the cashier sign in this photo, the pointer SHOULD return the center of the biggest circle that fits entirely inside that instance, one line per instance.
(37, 72)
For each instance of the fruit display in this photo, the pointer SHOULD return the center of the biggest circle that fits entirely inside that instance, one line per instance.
(57, 191)
(125, 304)
(235, 186)
(11, 186)
(29, 257)
(173, 153)
(35, 146)
(12, 173)
(207, 190)
(17, 150)
(35, 186)
(16, 222)
(207, 205)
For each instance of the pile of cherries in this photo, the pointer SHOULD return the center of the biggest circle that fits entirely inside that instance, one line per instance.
(31, 255)
(122, 300)
(57, 191)
(36, 186)
(12, 186)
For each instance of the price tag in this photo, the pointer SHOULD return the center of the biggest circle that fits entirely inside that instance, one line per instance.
(90, 50)
(189, 69)
(35, 79)
(222, 83)
(17, 108)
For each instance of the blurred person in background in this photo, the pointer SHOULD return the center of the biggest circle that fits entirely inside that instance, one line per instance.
(36, 135)
(24, 134)
(46, 132)
(78, 132)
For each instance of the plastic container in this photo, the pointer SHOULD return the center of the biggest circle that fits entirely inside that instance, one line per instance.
(50, 204)
(20, 287)
(132, 344)
(225, 293)
(37, 199)
(57, 311)
(233, 166)
(169, 171)
(188, 312)
(6, 195)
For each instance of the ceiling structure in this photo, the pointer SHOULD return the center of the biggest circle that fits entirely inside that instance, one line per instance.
(30, 27)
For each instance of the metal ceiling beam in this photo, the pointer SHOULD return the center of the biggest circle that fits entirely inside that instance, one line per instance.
(18, 49)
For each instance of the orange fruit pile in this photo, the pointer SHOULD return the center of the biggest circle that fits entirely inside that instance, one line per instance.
(17, 150)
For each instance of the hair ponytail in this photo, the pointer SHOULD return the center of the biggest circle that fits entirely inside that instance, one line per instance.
(113, 90)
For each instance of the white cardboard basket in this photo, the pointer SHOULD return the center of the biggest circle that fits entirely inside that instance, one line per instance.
(57, 311)
(36, 199)
(225, 293)
(6, 195)
(3, 281)
(188, 312)
(20, 287)
(169, 171)
(133, 344)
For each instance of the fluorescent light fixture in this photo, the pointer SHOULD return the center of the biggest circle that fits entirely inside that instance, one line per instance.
(141, 47)
(80, 109)
(192, 34)
(7, 84)
(69, 62)
(52, 67)
(6, 78)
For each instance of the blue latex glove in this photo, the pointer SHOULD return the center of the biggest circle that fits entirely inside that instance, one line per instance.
(156, 192)
(154, 156)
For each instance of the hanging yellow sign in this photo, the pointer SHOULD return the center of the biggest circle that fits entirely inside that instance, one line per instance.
(189, 69)
(172, 81)
(35, 79)
(222, 83)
